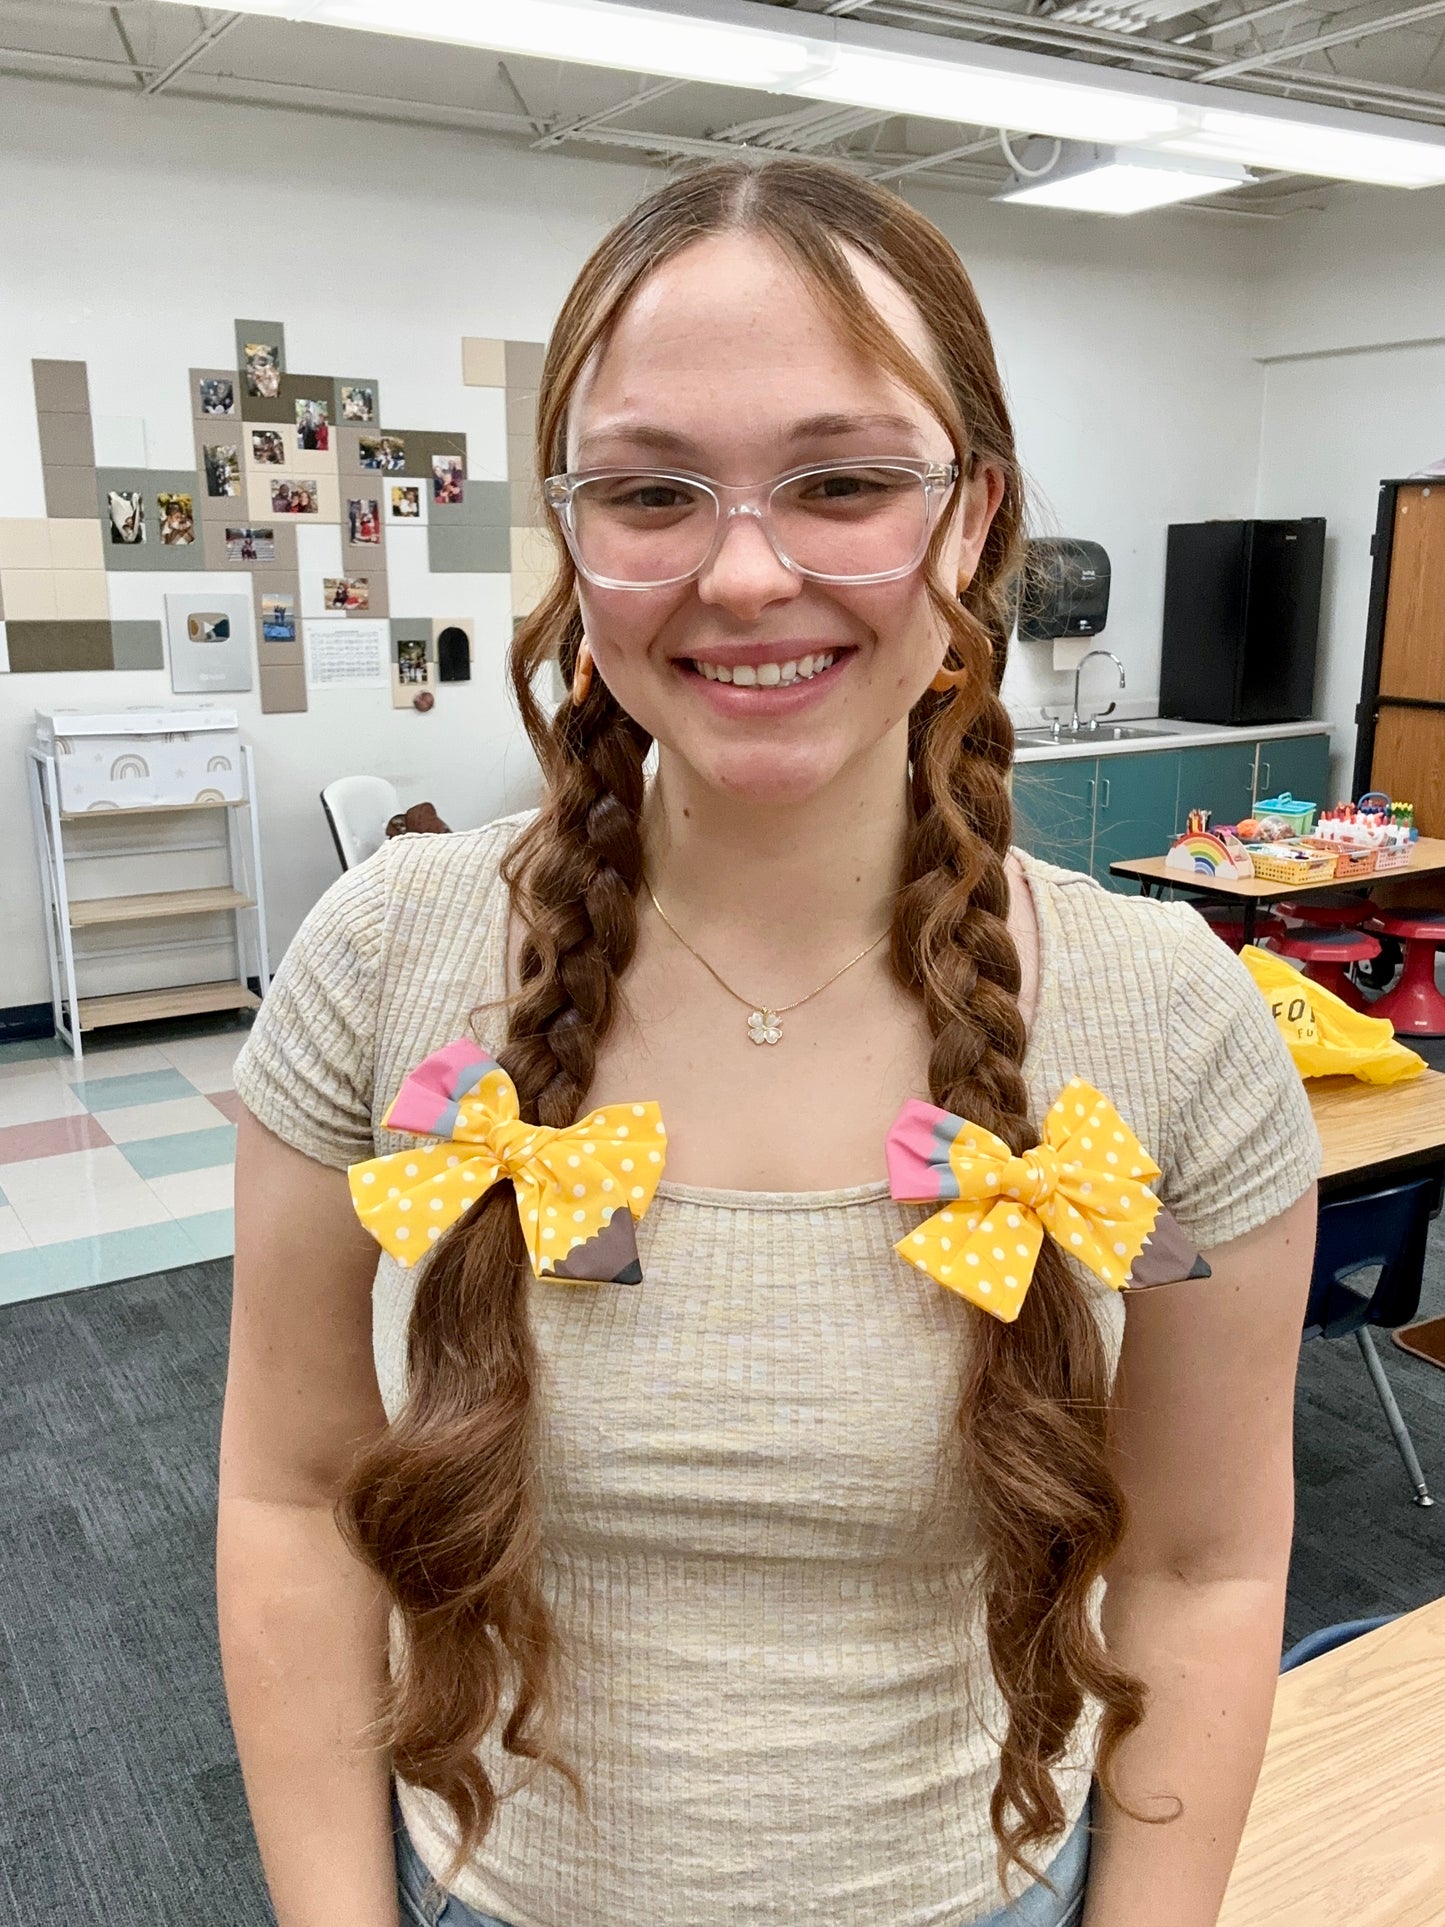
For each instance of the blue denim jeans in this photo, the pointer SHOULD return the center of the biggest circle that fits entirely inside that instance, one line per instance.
(423, 1904)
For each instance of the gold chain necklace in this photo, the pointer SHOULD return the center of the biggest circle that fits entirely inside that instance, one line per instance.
(764, 1020)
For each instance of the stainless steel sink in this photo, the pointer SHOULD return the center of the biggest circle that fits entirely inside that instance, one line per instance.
(1105, 733)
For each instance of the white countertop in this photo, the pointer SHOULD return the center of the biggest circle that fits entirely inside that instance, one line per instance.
(1172, 735)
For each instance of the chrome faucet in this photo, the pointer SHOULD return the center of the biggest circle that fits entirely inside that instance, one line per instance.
(1075, 722)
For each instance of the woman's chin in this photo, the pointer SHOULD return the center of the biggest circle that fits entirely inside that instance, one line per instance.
(771, 776)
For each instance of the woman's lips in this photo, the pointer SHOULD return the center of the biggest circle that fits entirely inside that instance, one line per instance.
(768, 698)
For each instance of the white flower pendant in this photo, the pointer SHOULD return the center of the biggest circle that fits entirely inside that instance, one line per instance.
(765, 1027)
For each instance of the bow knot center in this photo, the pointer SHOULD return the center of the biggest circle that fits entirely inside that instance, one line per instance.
(1038, 1175)
(513, 1143)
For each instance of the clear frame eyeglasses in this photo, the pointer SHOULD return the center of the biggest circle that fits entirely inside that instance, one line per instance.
(851, 520)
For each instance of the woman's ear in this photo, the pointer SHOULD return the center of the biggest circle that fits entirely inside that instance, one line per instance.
(980, 496)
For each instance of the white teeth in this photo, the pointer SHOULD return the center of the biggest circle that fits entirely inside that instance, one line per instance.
(766, 674)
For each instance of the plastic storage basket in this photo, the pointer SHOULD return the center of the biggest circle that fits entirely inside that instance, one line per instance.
(1300, 817)
(1348, 862)
(1311, 866)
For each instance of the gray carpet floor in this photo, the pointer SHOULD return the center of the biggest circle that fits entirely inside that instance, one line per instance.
(121, 1800)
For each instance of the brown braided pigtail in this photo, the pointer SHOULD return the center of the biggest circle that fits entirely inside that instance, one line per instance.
(445, 1504)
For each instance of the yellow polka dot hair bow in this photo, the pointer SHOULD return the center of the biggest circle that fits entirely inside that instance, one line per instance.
(580, 1189)
(1086, 1185)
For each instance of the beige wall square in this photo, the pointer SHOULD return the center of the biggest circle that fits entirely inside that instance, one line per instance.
(76, 545)
(533, 560)
(30, 595)
(80, 595)
(25, 544)
(484, 363)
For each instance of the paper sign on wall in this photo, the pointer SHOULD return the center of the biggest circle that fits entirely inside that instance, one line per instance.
(347, 655)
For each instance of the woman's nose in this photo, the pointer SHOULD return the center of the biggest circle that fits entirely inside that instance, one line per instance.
(745, 573)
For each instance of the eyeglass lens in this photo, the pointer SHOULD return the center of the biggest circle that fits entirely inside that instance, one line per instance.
(859, 521)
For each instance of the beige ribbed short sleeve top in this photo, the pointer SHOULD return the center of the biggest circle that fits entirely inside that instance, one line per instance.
(758, 1552)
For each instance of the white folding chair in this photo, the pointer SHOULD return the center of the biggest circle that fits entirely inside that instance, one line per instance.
(358, 809)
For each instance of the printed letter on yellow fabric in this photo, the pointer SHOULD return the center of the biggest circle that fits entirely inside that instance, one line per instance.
(1086, 1185)
(579, 1190)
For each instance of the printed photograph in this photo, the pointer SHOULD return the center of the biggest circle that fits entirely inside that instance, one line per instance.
(313, 426)
(405, 502)
(263, 369)
(383, 451)
(250, 545)
(178, 523)
(446, 478)
(278, 618)
(223, 468)
(411, 663)
(217, 395)
(358, 404)
(294, 498)
(268, 445)
(127, 516)
(347, 591)
(363, 519)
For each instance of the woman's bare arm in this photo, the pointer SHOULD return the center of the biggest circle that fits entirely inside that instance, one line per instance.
(1195, 1603)
(302, 1623)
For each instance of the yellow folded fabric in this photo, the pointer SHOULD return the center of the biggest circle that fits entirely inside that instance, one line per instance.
(1325, 1037)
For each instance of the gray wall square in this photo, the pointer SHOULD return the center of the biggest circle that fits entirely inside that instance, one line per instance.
(70, 494)
(61, 387)
(66, 441)
(523, 362)
(412, 629)
(283, 689)
(137, 645)
(42, 648)
(280, 655)
(521, 412)
(270, 332)
(483, 504)
(358, 381)
(469, 550)
(151, 553)
(348, 448)
(525, 513)
(215, 374)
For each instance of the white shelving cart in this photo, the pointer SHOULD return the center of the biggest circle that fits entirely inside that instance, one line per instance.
(140, 935)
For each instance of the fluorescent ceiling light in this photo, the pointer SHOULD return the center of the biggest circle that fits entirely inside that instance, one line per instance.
(1110, 180)
(1314, 147)
(738, 43)
(966, 90)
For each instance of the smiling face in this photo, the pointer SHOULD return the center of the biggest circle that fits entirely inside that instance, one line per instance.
(723, 364)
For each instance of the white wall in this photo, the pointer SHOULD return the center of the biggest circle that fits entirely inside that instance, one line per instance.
(133, 232)
(1345, 408)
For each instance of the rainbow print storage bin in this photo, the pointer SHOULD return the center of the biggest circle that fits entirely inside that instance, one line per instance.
(129, 759)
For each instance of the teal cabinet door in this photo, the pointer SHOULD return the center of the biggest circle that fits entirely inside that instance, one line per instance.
(1299, 764)
(1134, 808)
(1219, 779)
(1054, 811)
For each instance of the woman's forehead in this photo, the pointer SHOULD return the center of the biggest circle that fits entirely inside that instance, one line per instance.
(731, 324)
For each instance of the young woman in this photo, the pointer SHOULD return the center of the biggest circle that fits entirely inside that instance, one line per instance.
(771, 1587)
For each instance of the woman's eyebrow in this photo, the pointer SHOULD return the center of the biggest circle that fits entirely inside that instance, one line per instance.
(667, 441)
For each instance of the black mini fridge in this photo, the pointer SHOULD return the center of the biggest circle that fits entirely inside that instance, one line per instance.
(1241, 620)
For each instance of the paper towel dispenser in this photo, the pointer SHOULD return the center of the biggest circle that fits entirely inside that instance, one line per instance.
(1065, 589)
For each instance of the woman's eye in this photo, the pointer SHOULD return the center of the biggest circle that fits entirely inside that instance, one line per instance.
(649, 495)
(850, 485)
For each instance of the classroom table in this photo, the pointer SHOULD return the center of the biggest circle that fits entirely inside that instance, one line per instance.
(1347, 1826)
(1375, 1132)
(1427, 858)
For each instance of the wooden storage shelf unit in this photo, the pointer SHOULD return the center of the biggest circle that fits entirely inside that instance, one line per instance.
(182, 1000)
(157, 903)
(228, 888)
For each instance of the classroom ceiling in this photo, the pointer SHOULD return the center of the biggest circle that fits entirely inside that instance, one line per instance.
(1375, 55)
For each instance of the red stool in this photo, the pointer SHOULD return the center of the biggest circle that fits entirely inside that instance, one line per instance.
(1414, 1006)
(1228, 923)
(1327, 914)
(1325, 954)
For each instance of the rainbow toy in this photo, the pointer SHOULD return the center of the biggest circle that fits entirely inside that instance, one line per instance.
(1199, 853)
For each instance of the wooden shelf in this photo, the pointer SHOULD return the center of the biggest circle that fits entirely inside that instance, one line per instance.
(157, 903)
(180, 1000)
(143, 809)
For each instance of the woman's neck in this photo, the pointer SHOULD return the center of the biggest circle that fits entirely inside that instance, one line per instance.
(801, 882)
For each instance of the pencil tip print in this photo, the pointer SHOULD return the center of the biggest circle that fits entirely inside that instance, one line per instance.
(1085, 1185)
(579, 1189)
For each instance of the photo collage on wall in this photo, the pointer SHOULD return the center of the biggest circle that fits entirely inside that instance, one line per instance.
(278, 453)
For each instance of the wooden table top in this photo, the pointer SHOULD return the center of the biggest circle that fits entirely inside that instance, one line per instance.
(1347, 1828)
(1427, 856)
(1364, 1124)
